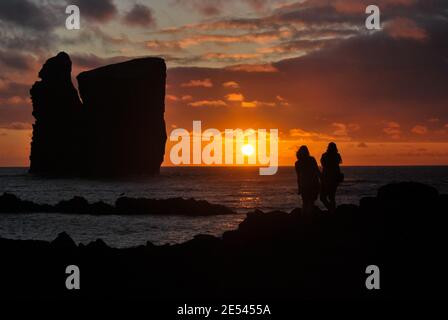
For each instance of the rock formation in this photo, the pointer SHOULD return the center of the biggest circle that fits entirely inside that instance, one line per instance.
(118, 129)
(55, 147)
(126, 105)
(10, 203)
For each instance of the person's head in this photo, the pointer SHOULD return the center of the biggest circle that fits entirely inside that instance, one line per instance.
(302, 153)
(332, 148)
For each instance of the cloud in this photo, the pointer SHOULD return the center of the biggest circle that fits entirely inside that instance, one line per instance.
(302, 135)
(91, 61)
(216, 7)
(282, 101)
(362, 145)
(28, 14)
(340, 129)
(269, 68)
(29, 25)
(141, 16)
(206, 83)
(17, 126)
(97, 10)
(231, 85)
(172, 98)
(230, 57)
(255, 104)
(12, 89)
(247, 104)
(421, 130)
(235, 97)
(208, 103)
(393, 129)
(405, 28)
(200, 39)
(15, 60)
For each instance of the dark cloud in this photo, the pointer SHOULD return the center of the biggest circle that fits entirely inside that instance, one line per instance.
(97, 10)
(28, 14)
(140, 15)
(29, 25)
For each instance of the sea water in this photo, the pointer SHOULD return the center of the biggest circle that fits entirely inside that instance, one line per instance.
(240, 188)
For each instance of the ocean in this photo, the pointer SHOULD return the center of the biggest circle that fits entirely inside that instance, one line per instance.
(240, 188)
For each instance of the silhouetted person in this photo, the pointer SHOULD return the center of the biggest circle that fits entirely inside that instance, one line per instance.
(308, 176)
(331, 176)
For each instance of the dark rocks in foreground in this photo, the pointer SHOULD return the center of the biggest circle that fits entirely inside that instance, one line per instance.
(270, 257)
(117, 130)
(9, 203)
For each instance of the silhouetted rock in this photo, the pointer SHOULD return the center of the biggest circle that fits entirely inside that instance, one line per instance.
(126, 106)
(102, 208)
(120, 129)
(174, 206)
(75, 205)
(57, 132)
(98, 244)
(63, 241)
(9, 203)
(407, 194)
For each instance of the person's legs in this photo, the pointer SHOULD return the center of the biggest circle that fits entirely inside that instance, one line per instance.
(324, 197)
(332, 197)
(307, 205)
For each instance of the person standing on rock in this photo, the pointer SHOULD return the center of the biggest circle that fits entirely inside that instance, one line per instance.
(331, 176)
(308, 176)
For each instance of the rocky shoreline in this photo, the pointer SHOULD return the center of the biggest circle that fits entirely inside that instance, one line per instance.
(10, 203)
(275, 255)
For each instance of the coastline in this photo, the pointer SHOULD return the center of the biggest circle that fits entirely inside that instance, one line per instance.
(274, 255)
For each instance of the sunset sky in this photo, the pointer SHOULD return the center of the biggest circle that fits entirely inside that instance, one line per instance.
(309, 68)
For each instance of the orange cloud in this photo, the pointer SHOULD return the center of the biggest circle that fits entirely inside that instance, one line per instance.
(268, 68)
(420, 130)
(303, 135)
(393, 129)
(341, 129)
(170, 97)
(231, 85)
(230, 56)
(254, 104)
(208, 103)
(235, 97)
(18, 126)
(246, 104)
(206, 83)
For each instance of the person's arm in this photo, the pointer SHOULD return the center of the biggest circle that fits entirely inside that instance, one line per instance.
(298, 177)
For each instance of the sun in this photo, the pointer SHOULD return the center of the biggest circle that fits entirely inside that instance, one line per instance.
(247, 150)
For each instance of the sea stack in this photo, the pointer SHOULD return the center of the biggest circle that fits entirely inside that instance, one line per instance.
(58, 113)
(126, 106)
(117, 130)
